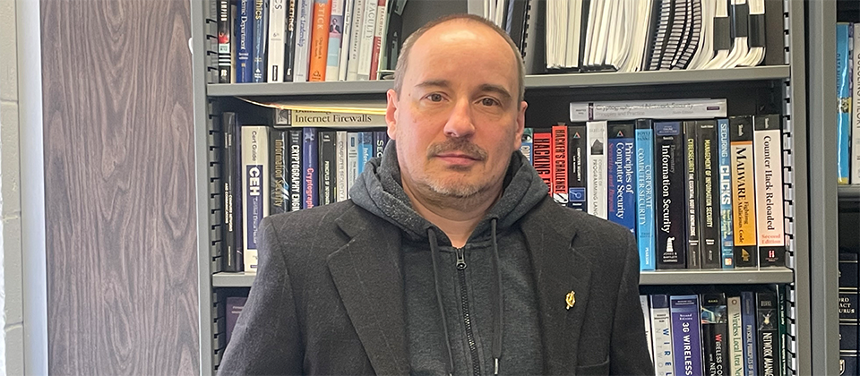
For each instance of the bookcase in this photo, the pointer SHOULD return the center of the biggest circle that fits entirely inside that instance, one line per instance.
(797, 90)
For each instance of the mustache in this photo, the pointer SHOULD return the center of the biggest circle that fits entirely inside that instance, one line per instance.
(459, 145)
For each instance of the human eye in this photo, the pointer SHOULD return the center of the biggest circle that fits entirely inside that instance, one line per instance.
(434, 97)
(490, 102)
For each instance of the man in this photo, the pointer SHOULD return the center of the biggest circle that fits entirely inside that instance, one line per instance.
(450, 257)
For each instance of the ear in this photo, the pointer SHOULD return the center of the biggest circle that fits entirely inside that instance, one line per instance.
(521, 124)
(391, 112)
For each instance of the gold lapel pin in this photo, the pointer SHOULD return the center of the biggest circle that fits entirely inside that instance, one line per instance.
(570, 299)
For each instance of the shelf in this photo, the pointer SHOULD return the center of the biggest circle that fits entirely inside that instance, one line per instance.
(717, 277)
(545, 81)
(662, 277)
(849, 192)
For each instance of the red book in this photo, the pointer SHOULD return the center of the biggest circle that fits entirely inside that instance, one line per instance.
(559, 164)
(319, 40)
(542, 160)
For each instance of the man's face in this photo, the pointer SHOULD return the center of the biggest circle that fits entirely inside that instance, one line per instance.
(457, 119)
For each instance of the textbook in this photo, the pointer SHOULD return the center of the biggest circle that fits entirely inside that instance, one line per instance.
(652, 109)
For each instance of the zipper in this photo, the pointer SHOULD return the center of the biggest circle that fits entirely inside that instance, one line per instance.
(467, 317)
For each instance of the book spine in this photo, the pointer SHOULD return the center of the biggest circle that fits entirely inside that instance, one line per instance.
(277, 36)
(736, 339)
(661, 328)
(244, 36)
(651, 109)
(843, 95)
(296, 176)
(542, 162)
(559, 164)
(234, 306)
(225, 59)
(327, 140)
(279, 187)
(378, 34)
(342, 184)
(646, 315)
(310, 168)
(365, 149)
(597, 190)
(304, 118)
(258, 52)
(366, 47)
(715, 333)
(254, 180)
(766, 321)
(725, 157)
(769, 205)
(352, 141)
(355, 38)
(335, 36)
(671, 217)
(691, 195)
(743, 192)
(848, 314)
(231, 173)
(379, 140)
(526, 143)
(645, 194)
(346, 40)
(855, 108)
(748, 319)
(686, 335)
(290, 41)
(319, 40)
(303, 40)
(576, 166)
(709, 191)
(620, 179)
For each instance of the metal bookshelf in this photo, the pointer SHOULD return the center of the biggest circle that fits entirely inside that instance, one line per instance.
(805, 274)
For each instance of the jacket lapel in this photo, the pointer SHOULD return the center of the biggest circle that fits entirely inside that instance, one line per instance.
(368, 275)
(558, 270)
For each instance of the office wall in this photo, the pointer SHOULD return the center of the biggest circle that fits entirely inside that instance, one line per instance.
(120, 220)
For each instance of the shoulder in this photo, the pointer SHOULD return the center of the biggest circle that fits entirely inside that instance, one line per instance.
(309, 221)
(596, 238)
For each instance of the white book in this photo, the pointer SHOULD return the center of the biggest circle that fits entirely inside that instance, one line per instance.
(277, 34)
(596, 164)
(646, 313)
(357, 28)
(345, 40)
(351, 159)
(854, 163)
(335, 36)
(379, 37)
(368, 27)
(304, 9)
(341, 157)
(255, 175)
(736, 336)
(652, 109)
(767, 158)
(661, 330)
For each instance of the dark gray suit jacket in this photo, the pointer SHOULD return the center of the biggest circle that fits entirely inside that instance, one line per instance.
(328, 298)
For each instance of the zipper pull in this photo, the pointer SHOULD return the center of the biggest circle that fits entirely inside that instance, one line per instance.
(461, 258)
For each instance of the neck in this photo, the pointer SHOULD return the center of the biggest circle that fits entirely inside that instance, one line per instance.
(456, 217)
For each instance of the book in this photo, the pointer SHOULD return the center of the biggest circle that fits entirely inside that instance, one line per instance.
(743, 192)
(296, 174)
(854, 163)
(559, 164)
(715, 332)
(277, 36)
(736, 338)
(770, 220)
(244, 39)
(576, 166)
(542, 160)
(725, 167)
(232, 259)
(310, 168)
(693, 175)
(335, 36)
(355, 38)
(301, 63)
(843, 96)
(768, 337)
(382, 10)
(351, 158)
(646, 238)
(341, 172)
(646, 315)
(255, 158)
(349, 15)
(849, 320)
(319, 40)
(279, 186)
(526, 143)
(621, 179)
(380, 138)
(686, 334)
(327, 166)
(368, 27)
(365, 149)
(597, 166)
(225, 58)
(748, 320)
(652, 109)
(671, 209)
(260, 34)
(304, 118)
(709, 191)
(290, 40)
(664, 359)
(233, 308)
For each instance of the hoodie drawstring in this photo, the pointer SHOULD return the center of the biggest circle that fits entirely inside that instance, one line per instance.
(497, 297)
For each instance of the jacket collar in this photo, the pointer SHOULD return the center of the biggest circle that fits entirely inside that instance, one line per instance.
(369, 278)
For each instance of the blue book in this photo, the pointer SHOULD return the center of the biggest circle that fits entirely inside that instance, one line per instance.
(310, 163)
(748, 317)
(843, 95)
(261, 34)
(647, 240)
(686, 334)
(621, 179)
(244, 35)
(365, 149)
(725, 170)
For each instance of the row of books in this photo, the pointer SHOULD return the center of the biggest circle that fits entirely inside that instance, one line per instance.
(306, 40)
(699, 193)
(848, 94)
(739, 332)
(849, 316)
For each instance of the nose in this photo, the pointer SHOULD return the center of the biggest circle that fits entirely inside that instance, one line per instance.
(460, 121)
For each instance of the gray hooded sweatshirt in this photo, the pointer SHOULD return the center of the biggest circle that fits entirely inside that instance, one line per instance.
(465, 307)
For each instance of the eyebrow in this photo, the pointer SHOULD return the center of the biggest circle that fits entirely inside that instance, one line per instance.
(483, 88)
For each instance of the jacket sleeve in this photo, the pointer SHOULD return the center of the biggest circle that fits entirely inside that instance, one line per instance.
(629, 348)
(266, 339)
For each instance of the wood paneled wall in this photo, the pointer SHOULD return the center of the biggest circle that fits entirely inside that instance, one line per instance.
(121, 241)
